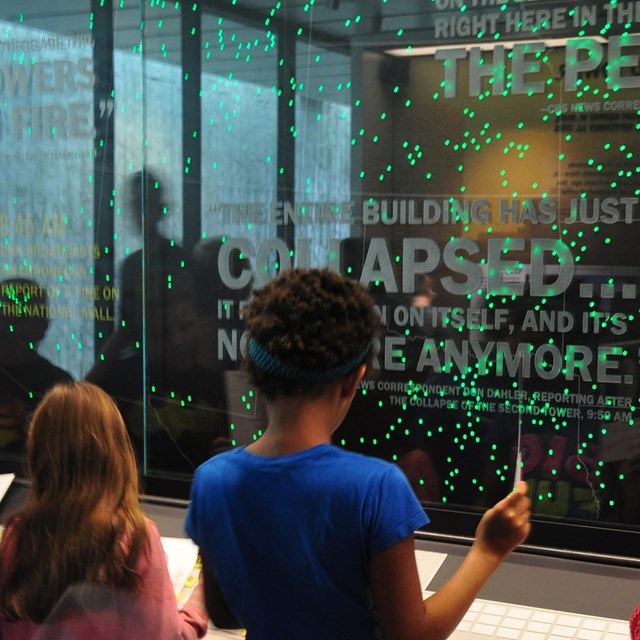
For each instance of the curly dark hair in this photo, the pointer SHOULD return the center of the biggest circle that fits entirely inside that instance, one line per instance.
(309, 320)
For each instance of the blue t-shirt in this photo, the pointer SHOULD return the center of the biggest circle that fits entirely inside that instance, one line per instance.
(289, 538)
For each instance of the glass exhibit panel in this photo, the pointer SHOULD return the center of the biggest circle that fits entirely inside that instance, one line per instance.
(153, 270)
(474, 164)
(48, 140)
(323, 205)
(494, 201)
(500, 216)
(239, 245)
(238, 127)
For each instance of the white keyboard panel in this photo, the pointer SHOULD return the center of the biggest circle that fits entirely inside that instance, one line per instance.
(488, 619)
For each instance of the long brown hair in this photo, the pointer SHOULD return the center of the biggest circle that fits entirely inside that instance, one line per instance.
(82, 521)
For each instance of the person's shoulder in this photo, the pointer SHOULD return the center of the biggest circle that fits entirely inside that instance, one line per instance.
(360, 462)
(214, 463)
(152, 527)
(361, 475)
(52, 372)
(42, 369)
(152, 537)
(634, 624)
(323, 455)
(216, 472)
(357, 457)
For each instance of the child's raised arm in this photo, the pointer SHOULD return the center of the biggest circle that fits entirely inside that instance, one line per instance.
(396, 586)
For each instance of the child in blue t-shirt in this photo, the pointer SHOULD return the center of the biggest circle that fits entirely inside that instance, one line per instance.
(300, 538)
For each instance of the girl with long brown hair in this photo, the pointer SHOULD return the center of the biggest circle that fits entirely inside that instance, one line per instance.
(81, 554)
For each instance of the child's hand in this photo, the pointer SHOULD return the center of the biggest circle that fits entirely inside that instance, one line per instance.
(506, 524)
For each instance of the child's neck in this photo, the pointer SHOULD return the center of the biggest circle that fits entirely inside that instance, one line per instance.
(296, 423)
(281, 444)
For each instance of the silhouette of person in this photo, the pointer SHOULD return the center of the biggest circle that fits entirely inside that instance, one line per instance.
(152, 364)
(160, 255)
(163, 392)
(25, 375)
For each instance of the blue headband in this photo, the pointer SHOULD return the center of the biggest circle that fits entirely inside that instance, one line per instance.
(272, 364)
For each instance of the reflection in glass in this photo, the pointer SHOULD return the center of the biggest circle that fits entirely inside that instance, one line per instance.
(160, 161)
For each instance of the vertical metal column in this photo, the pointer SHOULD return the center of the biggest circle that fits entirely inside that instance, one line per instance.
(103, 183)
(191, 37)
(286, 126)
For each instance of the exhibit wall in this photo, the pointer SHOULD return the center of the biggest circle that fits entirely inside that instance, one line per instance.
(473, 164)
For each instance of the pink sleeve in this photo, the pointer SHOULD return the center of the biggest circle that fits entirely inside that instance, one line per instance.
(7, 549)
(191, 621)
(634, 624)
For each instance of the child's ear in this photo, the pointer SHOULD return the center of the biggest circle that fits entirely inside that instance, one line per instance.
(351, 382)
